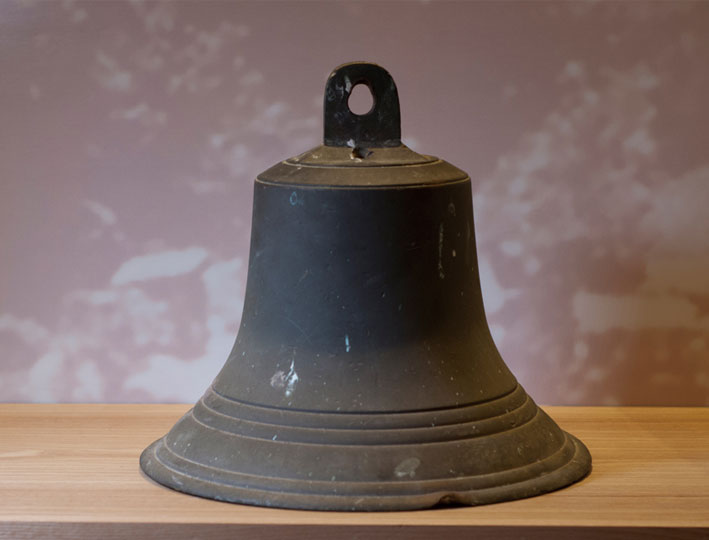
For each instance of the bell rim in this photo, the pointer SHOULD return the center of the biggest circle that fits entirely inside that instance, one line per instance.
(574, 469)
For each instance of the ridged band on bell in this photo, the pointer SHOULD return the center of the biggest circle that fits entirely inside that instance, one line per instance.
(364, 376)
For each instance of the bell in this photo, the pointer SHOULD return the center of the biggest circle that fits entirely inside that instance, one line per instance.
(364, 375)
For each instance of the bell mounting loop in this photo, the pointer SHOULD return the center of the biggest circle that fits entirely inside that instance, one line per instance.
(380, 127)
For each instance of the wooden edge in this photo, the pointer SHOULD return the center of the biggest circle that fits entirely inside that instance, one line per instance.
(19, 530)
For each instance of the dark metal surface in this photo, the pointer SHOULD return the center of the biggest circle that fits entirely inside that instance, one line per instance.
(381, 126)
(364, 376)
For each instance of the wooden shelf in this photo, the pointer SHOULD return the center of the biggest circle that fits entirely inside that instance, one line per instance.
(71, 471)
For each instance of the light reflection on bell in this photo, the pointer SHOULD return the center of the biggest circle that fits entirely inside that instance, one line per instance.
(364, 376)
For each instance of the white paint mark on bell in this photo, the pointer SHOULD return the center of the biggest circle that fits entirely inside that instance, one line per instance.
(407, 468)
(278, 379)
(292, 379)
(347, 343)
(285, 380)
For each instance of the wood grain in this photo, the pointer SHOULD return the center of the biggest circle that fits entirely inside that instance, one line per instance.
(71, 471)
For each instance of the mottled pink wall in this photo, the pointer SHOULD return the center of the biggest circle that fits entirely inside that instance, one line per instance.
(131, 133)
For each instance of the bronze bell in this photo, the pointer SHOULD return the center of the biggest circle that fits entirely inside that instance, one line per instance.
(364, 376)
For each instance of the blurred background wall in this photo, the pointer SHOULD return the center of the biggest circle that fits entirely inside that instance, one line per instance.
(131, 132)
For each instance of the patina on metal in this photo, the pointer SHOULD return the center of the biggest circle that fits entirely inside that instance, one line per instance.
(364, 376)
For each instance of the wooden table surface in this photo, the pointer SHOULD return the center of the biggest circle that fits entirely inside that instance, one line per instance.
(71, 471)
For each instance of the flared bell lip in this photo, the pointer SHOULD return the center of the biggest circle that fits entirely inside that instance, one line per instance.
(567, 464)
(576, 469)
